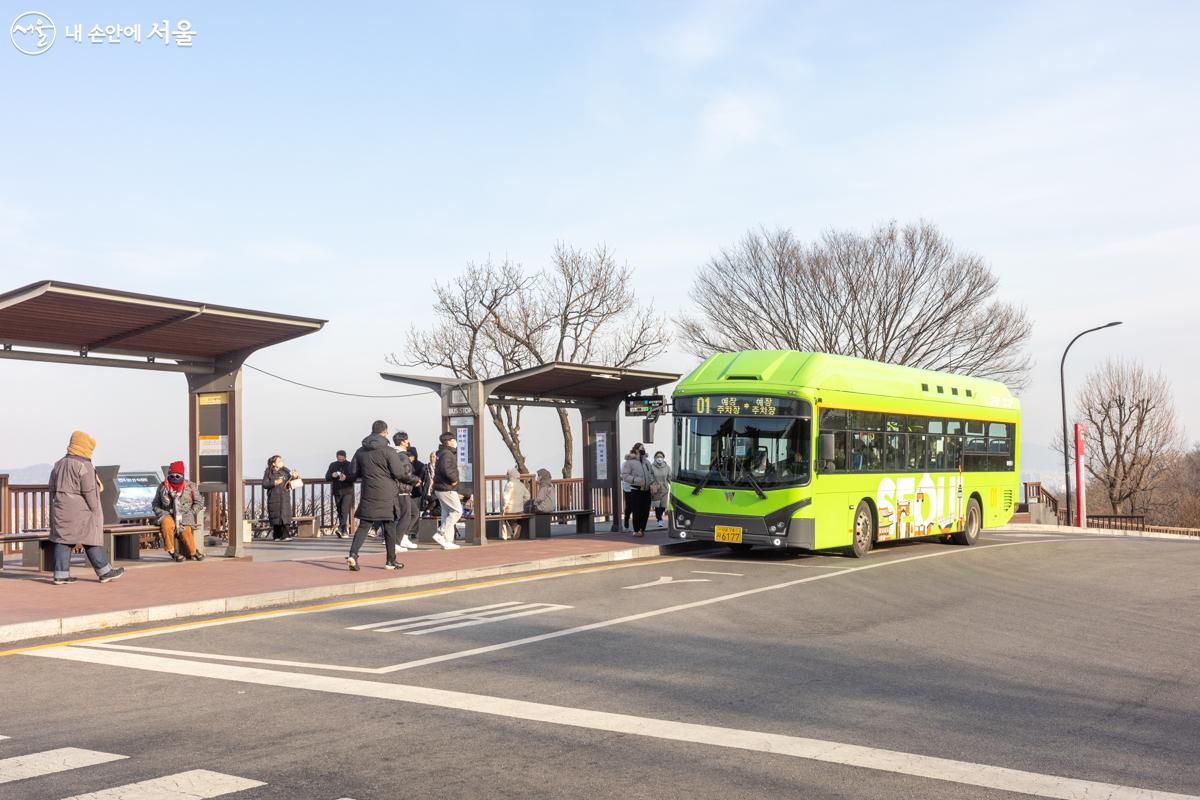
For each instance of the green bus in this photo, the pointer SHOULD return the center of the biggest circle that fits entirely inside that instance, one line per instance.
(786, 449)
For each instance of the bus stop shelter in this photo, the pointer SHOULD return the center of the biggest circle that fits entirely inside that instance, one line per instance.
(64, 323)
(597, 393)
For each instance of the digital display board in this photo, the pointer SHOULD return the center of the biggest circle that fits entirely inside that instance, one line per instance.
(641, 405)
(742, 405)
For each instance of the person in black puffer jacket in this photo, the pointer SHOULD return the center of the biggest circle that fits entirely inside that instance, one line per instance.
(381, 471)
(445, 489)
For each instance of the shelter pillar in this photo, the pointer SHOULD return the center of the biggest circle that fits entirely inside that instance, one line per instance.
(602, 456)
(463, 405)
(215, 444)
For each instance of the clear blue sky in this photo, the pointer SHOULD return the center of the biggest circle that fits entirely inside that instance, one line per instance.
(329, 161)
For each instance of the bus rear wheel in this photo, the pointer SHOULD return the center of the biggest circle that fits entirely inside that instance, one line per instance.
(972, 525)
(864, 530)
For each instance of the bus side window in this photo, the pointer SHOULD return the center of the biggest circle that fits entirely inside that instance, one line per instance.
(916, 452)
(839, 451)
(937, 454)
(953, 453)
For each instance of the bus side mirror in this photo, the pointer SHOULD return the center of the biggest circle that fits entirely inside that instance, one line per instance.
(826, 446)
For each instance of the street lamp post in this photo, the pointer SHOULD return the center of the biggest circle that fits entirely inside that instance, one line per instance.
(1062, 381)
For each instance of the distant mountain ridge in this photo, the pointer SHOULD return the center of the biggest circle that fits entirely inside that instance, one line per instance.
(37, 474)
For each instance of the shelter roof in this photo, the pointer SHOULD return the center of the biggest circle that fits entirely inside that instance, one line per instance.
(88, 319)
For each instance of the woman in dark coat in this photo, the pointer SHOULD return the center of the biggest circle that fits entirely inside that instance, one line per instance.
(279, 499)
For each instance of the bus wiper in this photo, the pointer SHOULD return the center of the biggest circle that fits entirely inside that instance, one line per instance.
(757, 489)
(704, 482)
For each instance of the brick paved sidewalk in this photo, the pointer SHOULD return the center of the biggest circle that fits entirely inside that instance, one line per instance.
(31, 606)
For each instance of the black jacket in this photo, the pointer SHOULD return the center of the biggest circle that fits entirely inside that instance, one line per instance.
(340, 487)
(445, 472)
(381, 471)
(419, 472)
(279, 498)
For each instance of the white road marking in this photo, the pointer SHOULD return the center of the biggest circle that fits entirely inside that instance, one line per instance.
(240, 659)
(51, 761)
(710, 572)
(857, 756)
(439, 615)
(417, 595)
(192, 785)
(665, 579)
(3, 737)
(541, 637)
(744, 562)
(417, 626)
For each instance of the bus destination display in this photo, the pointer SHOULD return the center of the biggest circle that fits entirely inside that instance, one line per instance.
(739, 405)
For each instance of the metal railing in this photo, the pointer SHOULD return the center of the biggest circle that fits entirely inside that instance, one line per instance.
(1117, 522)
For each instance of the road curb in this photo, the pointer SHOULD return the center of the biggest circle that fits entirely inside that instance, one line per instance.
(39, 629)
(1060, 529)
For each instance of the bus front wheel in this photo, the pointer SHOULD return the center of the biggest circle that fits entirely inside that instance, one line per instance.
(971, 525)
(864, 530)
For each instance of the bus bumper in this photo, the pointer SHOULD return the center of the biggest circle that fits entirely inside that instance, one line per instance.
(800, 533)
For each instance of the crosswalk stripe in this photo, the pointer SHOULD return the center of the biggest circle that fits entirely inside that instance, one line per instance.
(195, 784)
(440, 619)
(439, 615)
(50, 761)
(520, 611)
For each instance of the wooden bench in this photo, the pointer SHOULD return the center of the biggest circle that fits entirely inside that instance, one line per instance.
(24, 539)
(494, 522)
(301, 528)
(120, 542)
(585, 519)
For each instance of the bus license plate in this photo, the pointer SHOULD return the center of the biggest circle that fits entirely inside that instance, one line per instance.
(728, 534)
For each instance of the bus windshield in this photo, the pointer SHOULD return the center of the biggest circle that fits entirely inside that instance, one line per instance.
(744, 452)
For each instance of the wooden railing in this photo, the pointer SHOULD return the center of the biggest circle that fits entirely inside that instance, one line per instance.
(25, 506)
(28, 506)
(1117, 522)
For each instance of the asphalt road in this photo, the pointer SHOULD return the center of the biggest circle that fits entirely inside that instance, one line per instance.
(1027, 665)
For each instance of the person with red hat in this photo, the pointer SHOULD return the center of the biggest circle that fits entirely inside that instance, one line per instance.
(179, 510)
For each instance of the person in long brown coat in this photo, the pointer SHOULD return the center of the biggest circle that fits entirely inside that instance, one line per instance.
(75, 514)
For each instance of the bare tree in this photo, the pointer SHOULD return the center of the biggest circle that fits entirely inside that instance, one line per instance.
(1132, 436)
(495, 319)
(903, 295)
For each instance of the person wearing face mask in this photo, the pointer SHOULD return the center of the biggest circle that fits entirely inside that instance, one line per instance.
(636, 472)
(179, 511)
(660, 486)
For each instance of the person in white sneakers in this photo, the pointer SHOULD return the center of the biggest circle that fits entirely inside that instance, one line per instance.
(445, 489)
(660, 486)
(405, 483)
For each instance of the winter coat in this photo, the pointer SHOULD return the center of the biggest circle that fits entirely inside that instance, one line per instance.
(514, 495)
(421, 473)
(340, 486)
(279, 498)
(445, 472)
(636, 472)
(543, 502)
(379, 468)
(75, 513)
(186, 505)
(660, 473)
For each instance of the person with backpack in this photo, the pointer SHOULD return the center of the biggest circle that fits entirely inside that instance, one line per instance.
(636, 472)
(179, 512)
